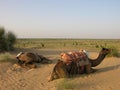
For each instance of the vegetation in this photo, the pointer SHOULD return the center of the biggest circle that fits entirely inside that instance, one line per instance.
(89, 44)
(114, 52)
(7, 40)
(5, 57)
(65, 85)
(71, 44)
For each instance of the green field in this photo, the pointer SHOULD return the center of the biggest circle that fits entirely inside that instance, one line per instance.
(88, 44)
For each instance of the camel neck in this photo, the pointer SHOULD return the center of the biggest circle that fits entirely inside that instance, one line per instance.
(97, 61)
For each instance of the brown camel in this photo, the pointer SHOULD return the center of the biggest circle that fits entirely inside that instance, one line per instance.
(61, 69)
(28, 58)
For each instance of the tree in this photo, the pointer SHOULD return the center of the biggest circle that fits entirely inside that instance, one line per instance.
(10, 40)
(2, 39)
(7, 40)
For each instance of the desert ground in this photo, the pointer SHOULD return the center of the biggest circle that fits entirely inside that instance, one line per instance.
(13, 77)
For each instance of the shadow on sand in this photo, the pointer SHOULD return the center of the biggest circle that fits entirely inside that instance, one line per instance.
(109, 68)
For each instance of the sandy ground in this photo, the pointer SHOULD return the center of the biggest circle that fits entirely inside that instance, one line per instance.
(12, 77)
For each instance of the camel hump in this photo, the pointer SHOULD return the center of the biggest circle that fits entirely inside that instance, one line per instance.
(73, 56)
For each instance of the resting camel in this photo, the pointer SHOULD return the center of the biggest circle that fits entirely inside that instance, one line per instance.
(62, 70)
(28, 58)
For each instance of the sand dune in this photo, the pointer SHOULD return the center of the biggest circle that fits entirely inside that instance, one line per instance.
(13, 77)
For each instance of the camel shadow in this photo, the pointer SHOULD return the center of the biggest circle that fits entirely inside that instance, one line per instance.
(97, 71)
(105, 69)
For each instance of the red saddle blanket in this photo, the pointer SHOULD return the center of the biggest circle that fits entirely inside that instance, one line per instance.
(74, 56)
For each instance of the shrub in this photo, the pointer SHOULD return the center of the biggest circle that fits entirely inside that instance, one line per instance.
(10, 40)
(97, 46)
(42, 45)
(2, 32)
(7, 40)
(114, 52)
(65, 85)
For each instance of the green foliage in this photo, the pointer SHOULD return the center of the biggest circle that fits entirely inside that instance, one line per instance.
(5, 57)
(42, 45)
(2, 31)
(10, 40)
(65, 85)
(114, 52)
(97, 46)
(2, 39)
(11, 37)
(88, 44)
(7, 40)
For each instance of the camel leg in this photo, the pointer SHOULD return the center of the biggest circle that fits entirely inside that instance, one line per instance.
(88, 69)
(58, 73)
(62, 73)
(53, 76)
(32, 65)
(25, 64)
(73, 69)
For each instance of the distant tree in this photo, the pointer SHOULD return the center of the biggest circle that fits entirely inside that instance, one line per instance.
(10, 40)
(2, 39)
(2, 32)
(7, 40)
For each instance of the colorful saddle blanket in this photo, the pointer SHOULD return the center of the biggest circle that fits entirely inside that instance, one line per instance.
(79, 57)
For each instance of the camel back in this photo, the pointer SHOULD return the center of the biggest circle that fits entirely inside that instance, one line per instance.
(79, 57)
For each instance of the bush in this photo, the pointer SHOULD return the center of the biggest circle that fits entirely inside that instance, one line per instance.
(10, 40)
(7, 40)
(2, 32)
(114, 52)
(65, 85)
(4, 57)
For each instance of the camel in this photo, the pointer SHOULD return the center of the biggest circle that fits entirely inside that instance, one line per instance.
(28, 58)
(59, 71)
(62, 70)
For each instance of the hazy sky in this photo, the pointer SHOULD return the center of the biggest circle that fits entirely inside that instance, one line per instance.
(61, 18)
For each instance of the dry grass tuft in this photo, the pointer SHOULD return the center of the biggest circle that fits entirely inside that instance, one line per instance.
(5, 57)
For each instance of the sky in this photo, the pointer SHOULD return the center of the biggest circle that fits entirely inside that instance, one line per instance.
(83, 19)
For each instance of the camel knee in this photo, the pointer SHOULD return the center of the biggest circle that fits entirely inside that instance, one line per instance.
(53, 76)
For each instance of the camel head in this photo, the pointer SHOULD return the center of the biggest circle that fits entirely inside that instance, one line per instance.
(28, 57)
(19, 54)
(105, 51)
(18, 57)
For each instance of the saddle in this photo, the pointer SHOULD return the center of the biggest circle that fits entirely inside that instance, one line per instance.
(79, 57)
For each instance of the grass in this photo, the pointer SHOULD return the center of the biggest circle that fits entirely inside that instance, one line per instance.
(65, 84)
(71, 44)
(88, 44)
(5, 57)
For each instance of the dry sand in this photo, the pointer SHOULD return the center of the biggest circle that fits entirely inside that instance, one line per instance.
(12, 77)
